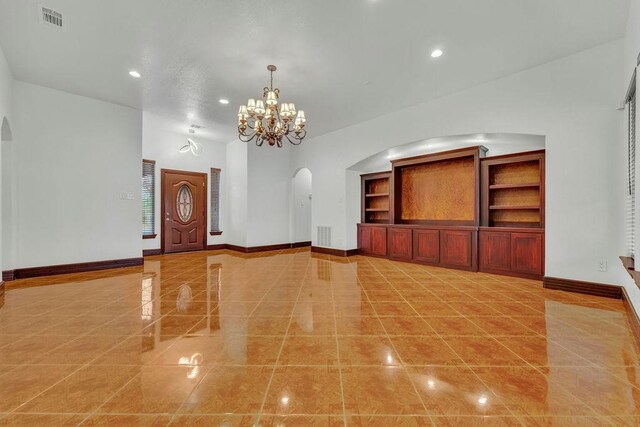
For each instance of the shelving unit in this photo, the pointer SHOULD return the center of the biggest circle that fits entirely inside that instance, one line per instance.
(458, 209)
(513, 190)
(375, 203)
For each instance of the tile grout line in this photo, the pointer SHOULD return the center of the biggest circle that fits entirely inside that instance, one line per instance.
(404, 366)
(335, 330)
(465, 364)
(284, 340)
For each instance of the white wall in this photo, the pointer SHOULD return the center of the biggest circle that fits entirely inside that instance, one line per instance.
(6, 84)
(162, 144)
(74, 157)
(572, 102)
(302, 200)
(269, 181)
(236, 185)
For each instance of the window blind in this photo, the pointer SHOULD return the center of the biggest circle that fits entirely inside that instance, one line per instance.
(631, 175)
(148, 197)
(215, 199)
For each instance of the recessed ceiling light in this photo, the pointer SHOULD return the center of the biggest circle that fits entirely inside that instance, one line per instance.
(223, 101)
(436, 53)
(134, 73)
(191, 115)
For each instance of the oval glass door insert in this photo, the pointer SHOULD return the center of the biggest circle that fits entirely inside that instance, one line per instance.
(184, 203)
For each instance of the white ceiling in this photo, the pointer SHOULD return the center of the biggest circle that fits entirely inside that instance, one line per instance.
(342, 61)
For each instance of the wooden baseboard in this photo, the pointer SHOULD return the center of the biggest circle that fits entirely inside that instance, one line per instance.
(217, 247)
(589, 288)
(301, 244)
(151, 252)
(632, 314)
(334, 252)
(252, 249)
(51, 270)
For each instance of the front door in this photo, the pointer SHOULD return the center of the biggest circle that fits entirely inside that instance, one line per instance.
(184, 211)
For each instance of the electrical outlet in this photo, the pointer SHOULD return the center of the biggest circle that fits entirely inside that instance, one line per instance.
(601, 265)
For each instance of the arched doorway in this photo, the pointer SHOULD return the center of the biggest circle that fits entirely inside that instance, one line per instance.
(302, 206)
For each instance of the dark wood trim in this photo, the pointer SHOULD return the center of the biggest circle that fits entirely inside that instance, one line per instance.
(215, 233)
(205, 195)
(148, 161)
(375, 175)
(301, 244)
(577, 286)
(149, 236)
(508, 156)
(8, 275)
(51, 270)
(266, 248)
(535, 230)
(151, 252)
(217, 247)
(334, 252)
(445, 222)
(629, 265)
(632, 314)
(442, 155)
(216, 170)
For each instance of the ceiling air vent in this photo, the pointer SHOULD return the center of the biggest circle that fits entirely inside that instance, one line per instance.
(51, 17)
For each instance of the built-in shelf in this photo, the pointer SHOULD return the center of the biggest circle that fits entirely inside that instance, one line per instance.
(501, 186)
(375, 197)
(513, 207)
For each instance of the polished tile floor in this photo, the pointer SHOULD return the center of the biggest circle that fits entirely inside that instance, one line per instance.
(290, 338)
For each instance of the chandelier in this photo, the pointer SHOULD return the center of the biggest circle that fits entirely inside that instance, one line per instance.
(265, 120)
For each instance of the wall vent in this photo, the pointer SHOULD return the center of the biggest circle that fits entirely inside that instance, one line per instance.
(51, 17)
(324, 236)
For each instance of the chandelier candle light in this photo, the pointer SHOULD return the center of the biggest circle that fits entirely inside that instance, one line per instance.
(270, 122)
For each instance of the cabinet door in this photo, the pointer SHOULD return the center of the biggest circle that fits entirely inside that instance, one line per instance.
(364, 240)
(426, 246)
(400, 244)
(526, 253)
(379, 241)
(495, 251)
(456, 248)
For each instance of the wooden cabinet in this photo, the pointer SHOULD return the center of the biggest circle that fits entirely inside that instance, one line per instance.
(526, 253)
(457, 248)
(458, 209)
(372, 240)
(515, 252)
(400, 244)
(495, 252)
(426, 246)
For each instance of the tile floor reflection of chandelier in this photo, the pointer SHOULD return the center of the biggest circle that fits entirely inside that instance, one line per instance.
(265, 120)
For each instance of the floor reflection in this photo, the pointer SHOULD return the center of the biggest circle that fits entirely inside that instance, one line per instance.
(294, 338)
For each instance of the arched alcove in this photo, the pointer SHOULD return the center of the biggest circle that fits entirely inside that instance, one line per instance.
(6, 134)
(302, 205)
